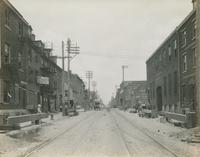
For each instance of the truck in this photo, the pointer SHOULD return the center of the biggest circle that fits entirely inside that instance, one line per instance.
(97, 105)
(71, 109)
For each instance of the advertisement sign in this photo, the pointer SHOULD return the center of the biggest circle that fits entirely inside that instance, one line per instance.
(43, 80)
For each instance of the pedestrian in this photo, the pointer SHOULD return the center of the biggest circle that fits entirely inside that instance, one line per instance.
(39, 108)
(60, 108)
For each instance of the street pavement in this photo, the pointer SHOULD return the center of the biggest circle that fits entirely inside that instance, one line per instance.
(106, 134)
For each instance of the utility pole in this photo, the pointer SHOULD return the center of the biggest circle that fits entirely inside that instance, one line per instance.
(72, 51)
(94, 84)
(123, 67)
(89, 75)
(196, 4)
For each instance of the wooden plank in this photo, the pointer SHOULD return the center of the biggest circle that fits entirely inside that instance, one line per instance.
(25, 118)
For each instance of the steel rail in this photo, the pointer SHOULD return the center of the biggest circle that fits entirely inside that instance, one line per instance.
(146, 134)
(121, 135)
(50, 140)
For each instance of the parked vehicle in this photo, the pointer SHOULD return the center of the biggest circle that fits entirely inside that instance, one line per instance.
(97, 105)
(71, 109)
(132, 110)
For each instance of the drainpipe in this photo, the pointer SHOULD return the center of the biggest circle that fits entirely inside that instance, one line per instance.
(179, 68)
(0, 51)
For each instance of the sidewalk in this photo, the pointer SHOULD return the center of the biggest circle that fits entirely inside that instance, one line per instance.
(16, 142)
(166, 133)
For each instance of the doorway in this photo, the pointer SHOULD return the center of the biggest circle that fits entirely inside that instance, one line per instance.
(159, 98)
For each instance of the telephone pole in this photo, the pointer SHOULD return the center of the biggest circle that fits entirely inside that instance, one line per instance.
(72, 51)
(196, 4)
(123, 67)
(89, 75)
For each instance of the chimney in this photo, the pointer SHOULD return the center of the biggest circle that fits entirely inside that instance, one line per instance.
(194, 4)
(33, 37)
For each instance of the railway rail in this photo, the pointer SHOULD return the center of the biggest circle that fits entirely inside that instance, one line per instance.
(38, 147)
(158, 143)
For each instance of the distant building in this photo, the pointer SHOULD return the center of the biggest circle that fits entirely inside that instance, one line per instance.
(75, 91)
(131, 94)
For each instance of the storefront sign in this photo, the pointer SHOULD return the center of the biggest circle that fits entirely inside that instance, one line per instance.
(43, 80)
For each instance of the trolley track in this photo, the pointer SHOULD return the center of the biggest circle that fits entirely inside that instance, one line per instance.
(52, 139)
(162, 146)
(121, 136)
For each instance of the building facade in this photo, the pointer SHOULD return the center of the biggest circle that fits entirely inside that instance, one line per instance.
(163, 76)
(13, 73)
(171, 70)
(131, 94)
(29, 74)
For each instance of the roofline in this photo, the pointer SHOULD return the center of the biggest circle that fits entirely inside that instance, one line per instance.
(172, 33)
(16, 11)
(136, 81)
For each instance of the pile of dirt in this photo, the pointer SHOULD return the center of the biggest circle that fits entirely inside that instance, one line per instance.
(190, 135)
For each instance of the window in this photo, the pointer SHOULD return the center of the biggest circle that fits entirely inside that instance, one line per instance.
(7, 17)
(175, 48)
(6, 94)
(6, 53)
(36, 58)
(169, 84)
(184, 89)
(160, 57)
(194, 57)
(66, 93)
(175, 82)
(175, 44)
(184, 63)
(20, 59)
(169, 53)
(30, 57)
(184, 38)
(20, 29)
(165, 86)
(194, 29)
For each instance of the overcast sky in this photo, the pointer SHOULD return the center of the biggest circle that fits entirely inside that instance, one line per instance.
(110, 33)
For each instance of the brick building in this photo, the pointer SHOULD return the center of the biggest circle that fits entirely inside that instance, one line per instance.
(131, 94)
(163, 76)
(13, 70)
(29, 74)
(171, 70)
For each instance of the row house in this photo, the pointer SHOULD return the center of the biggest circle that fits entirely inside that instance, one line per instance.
(29, 74)
(13, 70)
(171, 70)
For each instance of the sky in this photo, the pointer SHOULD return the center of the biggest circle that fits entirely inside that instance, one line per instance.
(110, 33)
